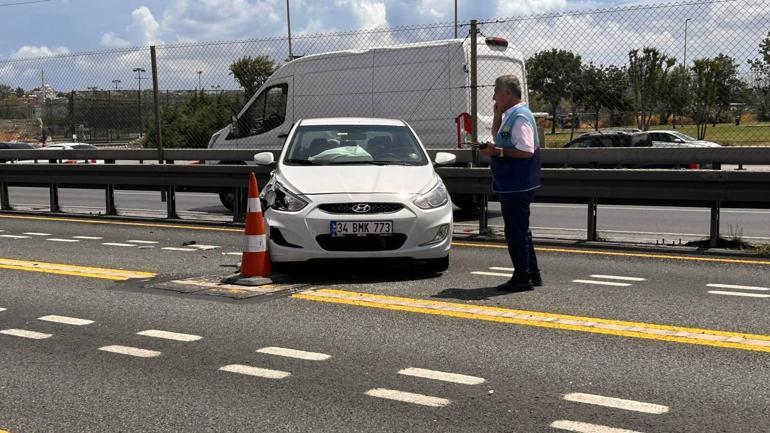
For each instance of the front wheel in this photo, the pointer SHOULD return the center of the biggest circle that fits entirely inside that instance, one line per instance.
(437, 265)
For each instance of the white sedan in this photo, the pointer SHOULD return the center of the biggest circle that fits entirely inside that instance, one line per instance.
(356, 188)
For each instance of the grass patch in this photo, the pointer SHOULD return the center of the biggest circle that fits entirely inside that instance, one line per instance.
(727, 134)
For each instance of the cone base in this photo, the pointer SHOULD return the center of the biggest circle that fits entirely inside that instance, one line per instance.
(254, 281)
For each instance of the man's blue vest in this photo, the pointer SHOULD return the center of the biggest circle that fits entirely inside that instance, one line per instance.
(516, 174)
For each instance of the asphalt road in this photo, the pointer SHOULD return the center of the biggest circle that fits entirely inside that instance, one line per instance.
(641, 224)
(684, 345)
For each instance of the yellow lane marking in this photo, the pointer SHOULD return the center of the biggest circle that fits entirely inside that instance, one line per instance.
(650, 331)
(124, 223)
(72, 270)
(620, 254)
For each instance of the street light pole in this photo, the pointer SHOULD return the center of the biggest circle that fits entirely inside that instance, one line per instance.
(139, 105)
(455, 19)
(116, 82)
(684, 62)
(199, 88)
(288, 27)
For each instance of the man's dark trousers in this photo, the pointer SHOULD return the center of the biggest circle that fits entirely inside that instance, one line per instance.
(515, 207)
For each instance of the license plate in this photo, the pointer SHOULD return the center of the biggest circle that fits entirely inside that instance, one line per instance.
(345, 228)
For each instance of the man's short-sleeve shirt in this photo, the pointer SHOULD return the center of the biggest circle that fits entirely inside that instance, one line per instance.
(522, 135)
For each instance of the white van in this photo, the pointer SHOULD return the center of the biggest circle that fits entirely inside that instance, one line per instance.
(426, 84)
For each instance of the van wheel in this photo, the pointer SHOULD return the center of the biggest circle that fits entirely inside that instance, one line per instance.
(227, 199)
(468, 204)
(437, 265)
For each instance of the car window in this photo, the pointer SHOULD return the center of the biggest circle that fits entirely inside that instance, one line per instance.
(266, 113)
(579, 142)
(352, 144)
(684, 137)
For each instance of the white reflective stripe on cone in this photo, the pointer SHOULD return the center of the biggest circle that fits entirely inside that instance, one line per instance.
(255, 244)
(253, 205)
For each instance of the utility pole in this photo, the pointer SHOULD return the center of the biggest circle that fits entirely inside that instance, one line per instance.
(455, 19)
(199, 88)
(288, 27)
(116, 82)
(139, 94)
(684, 62)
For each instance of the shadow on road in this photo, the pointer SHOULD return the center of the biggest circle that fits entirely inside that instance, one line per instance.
(354, 271)
(480, 294)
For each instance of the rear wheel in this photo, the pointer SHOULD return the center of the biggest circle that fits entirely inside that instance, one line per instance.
(437, 265)
(227, 198)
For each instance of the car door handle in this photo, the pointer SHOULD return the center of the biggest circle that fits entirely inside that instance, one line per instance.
(283, 135)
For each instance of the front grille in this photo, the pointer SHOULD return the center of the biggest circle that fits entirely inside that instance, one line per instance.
(362, 243)
(347, 208)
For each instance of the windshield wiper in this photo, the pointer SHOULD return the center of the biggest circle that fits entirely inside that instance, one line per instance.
(300, 162)
(357, 162)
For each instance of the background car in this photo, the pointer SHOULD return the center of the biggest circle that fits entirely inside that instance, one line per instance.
(72, 146)
(348, 188)
(678, 139)
(13, 145)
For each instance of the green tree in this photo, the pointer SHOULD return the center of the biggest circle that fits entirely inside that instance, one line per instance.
(252, 72)
(760, 69)
(604, 87)
(647, 76)
(729, 87)
(19, 92)
(191, 123)
(553, 74)
(675, 95)
(5, 91)
(705, 77)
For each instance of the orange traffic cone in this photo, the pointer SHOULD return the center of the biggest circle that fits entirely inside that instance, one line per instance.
(256, 260)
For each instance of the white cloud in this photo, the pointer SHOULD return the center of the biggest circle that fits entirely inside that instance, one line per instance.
(510, 8)
(111, 40)
(28, 51)
(369, 14)
(436, 9)
(144, 28)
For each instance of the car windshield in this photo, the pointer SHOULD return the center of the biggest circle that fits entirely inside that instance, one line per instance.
(684, 137)
(354, 145)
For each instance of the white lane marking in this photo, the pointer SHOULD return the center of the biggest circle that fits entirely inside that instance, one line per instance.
(232, 254)
(747, 295)
(88, 238)
(169, 335)
(66, 320)
(62, 240)
(493, 274)
(407, 397)
(36, 234)
(117, 244)
(178, 249)
(617, 403)
(495, 268)
(2, 309)
(255, 371)
(616, 277)
(644, 208)
(292, 353)
(733, 286)
(134, 241)
(601, 283)
(204, 247)
(584, 427)
(23, 333)
(443, 376)
(14, 237)
(130, 351)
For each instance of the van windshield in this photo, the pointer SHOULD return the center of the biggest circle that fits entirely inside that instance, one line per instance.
(354, 145)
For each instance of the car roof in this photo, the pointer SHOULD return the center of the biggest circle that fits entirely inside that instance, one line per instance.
(351, 121)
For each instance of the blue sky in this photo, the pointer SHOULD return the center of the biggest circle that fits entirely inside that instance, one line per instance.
(60, 26)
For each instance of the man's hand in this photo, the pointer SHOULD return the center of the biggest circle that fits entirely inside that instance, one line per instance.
(497, 111)
(490, 150)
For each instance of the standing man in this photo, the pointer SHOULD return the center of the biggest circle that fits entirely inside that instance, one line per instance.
(515, 164)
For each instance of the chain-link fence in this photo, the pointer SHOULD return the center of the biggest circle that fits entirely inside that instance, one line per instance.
(699, 68)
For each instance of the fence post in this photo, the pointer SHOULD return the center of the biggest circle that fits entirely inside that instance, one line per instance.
(5, 199)
(171, 202)
(156, 99)
(714, 222)
(474, 31)
(591, 234)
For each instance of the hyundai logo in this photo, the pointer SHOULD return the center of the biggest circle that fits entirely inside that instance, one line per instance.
(361, 208)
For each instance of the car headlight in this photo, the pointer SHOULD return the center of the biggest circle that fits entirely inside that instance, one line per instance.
(436, 197)
(277, 197)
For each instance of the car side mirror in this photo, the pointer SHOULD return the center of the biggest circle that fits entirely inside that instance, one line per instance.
(445, 158)
(264, 158)
(678, 140)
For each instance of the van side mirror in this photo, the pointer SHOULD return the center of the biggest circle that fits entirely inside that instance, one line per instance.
(264, 158)
(235, 129)
(445, 158)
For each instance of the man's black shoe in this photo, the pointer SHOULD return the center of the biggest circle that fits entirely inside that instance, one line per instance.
(515, 286)
(537, 280)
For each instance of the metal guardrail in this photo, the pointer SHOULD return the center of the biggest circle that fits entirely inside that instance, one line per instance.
(592, 156)
(708, 188)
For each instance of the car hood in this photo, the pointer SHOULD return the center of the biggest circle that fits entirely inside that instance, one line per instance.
(365, 179)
